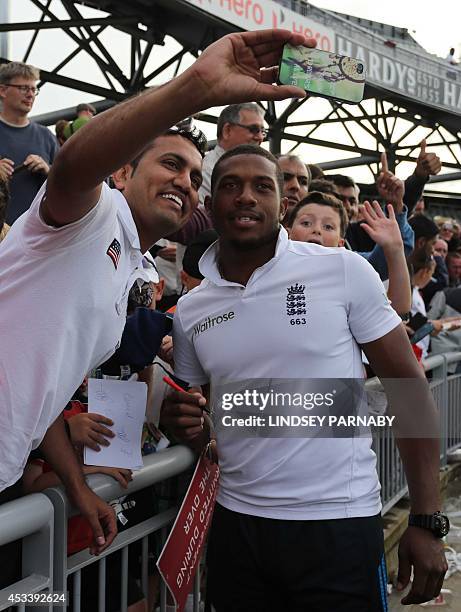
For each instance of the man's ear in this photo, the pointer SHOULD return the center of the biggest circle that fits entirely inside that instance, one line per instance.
(122, 176)
(341, 242)
(283, 208)
(226, 131)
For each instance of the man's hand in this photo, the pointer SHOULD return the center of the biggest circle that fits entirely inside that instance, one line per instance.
(6, 169)
(165, 351)
(422, 550)
(390, 188)
(86, 429)
(438, 327)
(383, 230)
(100, 516)
(241, 67)
(182, 414)
(34, 163)
(427, 164)
(168, 253)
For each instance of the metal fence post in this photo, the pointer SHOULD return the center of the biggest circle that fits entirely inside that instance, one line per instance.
(444, 416)
(60, 504)
(29, 518)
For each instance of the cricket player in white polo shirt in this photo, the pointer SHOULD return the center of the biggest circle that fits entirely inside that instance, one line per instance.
(297, 522)
(67, 265)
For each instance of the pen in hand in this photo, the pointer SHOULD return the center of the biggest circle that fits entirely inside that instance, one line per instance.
(175, 386)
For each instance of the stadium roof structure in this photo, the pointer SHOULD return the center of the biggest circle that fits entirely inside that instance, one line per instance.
(407, 88)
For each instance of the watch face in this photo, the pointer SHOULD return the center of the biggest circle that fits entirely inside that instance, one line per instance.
(442, 525)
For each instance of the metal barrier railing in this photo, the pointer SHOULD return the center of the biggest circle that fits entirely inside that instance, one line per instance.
(40, 520)
(446, 390)
(158, 467)
(29, 519)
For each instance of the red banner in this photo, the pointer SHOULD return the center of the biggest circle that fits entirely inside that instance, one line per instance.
(181, 554)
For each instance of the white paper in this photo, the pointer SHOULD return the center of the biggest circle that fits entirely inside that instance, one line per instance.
(125, 403)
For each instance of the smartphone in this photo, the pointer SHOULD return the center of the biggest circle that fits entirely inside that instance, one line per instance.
(322, 73)
(19, 168)
(422, 332)
(417, 320)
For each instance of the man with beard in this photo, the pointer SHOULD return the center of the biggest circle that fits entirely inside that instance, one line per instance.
(284, 504)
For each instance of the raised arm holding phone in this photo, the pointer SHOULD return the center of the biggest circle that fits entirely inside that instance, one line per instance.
(85, 246)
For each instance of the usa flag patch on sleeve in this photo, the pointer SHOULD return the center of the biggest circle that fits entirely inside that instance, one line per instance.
(114, 251)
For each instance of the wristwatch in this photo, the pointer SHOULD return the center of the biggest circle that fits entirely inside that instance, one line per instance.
(438, 523)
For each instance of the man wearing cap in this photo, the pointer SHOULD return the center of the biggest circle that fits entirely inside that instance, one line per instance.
(83, 243)
(85, 112)
(191, 276)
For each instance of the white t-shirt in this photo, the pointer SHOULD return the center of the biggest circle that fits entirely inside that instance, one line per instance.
(63, 294)
(346, 304)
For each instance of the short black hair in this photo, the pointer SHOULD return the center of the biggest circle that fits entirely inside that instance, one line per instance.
(316, 171)
(423, 227)
(247, 149)
(322, 199)
(341, 180)
(324, 186)
(193, 135)
(194, 251)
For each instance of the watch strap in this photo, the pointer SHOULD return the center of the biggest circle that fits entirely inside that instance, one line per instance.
(426, 521)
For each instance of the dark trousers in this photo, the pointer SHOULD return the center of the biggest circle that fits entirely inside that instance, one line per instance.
(268, 565)
(10, 554)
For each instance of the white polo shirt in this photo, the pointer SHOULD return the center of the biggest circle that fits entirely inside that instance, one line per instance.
(346, 304)
(63, 296)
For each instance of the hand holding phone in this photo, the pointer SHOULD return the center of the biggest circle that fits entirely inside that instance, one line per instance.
(18, 169)
(322, 73)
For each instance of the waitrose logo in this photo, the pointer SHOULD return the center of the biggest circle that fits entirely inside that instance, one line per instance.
(212, 321)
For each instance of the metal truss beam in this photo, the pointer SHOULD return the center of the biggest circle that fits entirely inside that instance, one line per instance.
(383, 121)
(57, 79)
(363, 160)
(65, 24)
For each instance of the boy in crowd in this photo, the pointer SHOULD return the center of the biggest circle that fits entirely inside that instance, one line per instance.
(321, 219)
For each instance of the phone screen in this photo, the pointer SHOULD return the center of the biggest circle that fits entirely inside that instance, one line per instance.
(322, 73)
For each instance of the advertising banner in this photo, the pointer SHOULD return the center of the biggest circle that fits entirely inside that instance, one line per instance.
(438, 86)
(264, 14)
(181, 554)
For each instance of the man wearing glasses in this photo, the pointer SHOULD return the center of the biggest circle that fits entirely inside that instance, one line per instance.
(26, 149)
(237, 124)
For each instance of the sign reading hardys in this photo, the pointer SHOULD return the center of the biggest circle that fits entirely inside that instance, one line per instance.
(416, 76)
(181, 554)
(265, 14)
(436, 86)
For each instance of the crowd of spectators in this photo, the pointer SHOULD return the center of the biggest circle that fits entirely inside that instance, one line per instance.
(417, 258)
